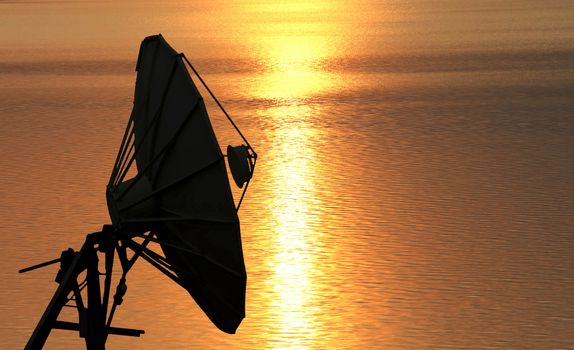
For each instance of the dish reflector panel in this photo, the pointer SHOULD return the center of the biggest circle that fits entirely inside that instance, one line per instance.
(181, 192)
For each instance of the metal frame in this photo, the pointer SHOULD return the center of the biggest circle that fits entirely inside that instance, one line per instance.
(95, 317)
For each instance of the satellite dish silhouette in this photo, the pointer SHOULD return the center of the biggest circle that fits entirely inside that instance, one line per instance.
(180, 198)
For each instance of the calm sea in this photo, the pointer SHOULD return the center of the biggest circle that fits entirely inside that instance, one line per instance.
(415, 187)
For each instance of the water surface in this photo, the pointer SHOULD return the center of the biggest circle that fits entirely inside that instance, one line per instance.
(415, 186)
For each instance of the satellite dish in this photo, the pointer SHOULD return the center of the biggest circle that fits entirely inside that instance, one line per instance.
(179, 198)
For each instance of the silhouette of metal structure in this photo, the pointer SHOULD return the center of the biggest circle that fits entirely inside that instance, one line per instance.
(180, 199)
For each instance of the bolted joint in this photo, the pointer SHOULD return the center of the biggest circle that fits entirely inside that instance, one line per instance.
(66, 259)
(121, 290)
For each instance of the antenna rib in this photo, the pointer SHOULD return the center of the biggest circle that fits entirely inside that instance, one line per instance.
(175, 182)
(168, 146)
(151, 124)
(218, 103)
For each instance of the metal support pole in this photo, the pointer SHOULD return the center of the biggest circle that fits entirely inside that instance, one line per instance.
(95, 335)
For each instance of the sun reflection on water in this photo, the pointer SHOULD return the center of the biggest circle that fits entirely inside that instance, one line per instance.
(293, 68)
(292, 53)
(294, 264)
(291, 47)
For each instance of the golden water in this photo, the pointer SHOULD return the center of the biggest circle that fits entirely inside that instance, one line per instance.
(415, 186)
